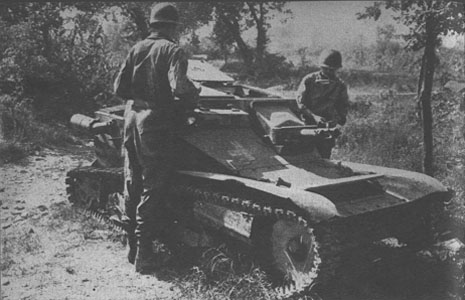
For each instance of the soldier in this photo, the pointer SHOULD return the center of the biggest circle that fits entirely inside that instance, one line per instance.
(153, 73)
(322, 97)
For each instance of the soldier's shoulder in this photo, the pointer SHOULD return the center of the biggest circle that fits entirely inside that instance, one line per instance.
(171, 47)
(310, 77)
(313, 74)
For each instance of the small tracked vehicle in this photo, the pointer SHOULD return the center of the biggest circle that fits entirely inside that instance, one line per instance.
(248, 170)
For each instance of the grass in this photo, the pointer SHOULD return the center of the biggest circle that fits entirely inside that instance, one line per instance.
(382, 132)
(219, 278)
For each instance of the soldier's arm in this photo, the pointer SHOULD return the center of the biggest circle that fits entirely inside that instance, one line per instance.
(122, 85)
(302, 93)
(182, 87)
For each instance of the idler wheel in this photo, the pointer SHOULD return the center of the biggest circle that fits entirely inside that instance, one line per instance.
(294, 252)
(288, 252)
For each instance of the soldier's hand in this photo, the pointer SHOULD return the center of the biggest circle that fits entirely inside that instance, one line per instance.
(337, 130)
(319, 119)
(191, 121)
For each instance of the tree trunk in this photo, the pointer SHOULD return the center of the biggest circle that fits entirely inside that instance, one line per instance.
(244, 50)
(420, 85)
(258, 16)
(425, 98)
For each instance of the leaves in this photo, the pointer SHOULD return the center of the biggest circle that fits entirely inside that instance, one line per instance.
(446, 17)
(233, 19)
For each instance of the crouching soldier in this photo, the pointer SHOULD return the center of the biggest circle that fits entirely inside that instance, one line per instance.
(322, 97)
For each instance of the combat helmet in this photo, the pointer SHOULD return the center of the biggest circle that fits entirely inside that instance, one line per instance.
(164, 13)
(330, 58)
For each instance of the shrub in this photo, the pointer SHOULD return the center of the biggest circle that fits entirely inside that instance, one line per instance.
(11, 152)
(382, 133)
(21, 132)
(16, 118)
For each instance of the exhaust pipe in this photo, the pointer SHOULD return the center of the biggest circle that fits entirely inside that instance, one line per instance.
(94, 126)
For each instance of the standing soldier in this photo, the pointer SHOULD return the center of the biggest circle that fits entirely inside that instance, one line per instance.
(322, 97)
(152, 75)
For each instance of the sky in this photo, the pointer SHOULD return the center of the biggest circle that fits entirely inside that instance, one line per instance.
(328, 24)
(322, 24)
(331, 24)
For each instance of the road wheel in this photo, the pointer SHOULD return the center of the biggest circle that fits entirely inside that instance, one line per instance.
(289, 252)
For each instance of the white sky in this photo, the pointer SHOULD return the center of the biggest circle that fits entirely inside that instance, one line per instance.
(331, 24)
(322, 24)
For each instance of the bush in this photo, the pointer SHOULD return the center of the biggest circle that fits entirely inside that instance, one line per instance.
(382, 133)
(21, 132)
(16, 118)
(11, 152)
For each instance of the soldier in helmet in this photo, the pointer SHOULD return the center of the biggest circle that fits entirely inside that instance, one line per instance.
(152, 75)
(322, 97)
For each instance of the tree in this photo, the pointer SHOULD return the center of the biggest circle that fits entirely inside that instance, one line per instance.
(387, 49)
(233, 19)
(427, 21)
(54, 55)
(192, 15)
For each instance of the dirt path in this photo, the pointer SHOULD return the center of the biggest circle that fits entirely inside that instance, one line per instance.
(50, 251)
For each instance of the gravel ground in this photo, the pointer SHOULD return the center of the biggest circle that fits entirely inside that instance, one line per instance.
(51, 251)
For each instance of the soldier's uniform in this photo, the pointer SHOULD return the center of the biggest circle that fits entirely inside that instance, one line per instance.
(152, 75)
(327, 97)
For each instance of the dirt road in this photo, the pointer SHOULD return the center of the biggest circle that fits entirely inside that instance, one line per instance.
(51, 251)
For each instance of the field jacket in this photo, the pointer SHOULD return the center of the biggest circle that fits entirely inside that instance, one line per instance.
(153, 73)
(325, 97)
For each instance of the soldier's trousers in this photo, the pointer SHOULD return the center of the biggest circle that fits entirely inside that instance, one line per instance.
(147, 170)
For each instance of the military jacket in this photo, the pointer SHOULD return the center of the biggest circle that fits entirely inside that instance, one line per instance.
(154, 72)
(323, 96)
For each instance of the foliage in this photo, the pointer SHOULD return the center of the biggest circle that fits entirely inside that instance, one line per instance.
(382, 133)
(426, 20)
(57, 61)
(11, 152)
(448, 18)
(17, 118)
(233, 19)
(449, 139)
(388, 51)
(21, 133)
